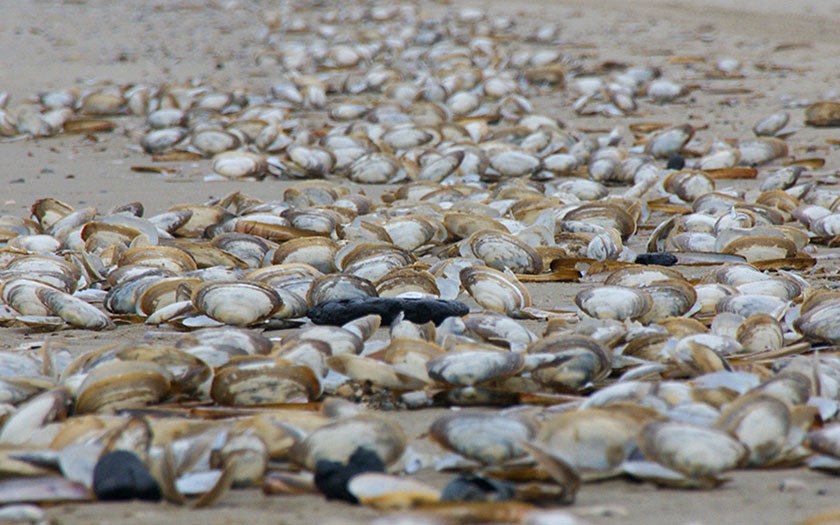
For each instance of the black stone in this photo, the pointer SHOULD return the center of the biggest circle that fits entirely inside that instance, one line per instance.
(477, 488)
(420, 311)
(332, 477)
(676, 162)
(121, 476)
(657, 258)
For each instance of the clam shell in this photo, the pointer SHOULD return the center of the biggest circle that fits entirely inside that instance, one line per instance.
(73, 311)
(318, 252)
(494, 290)
(614, 302)
(473, 368)
(339, 440)
(693, 450)
(119, 385)
(489, 439)
(761, 423)
(253, 381)
(501, 250)
(823, 114)
(238, 303)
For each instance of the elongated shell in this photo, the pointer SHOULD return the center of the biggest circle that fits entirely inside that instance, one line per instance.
(614, 302)
(339, 440)
(487, 438)
(118, 385)
(693, 450)
(501, 250)
(494, 290)
(236, 303)
(250, 381)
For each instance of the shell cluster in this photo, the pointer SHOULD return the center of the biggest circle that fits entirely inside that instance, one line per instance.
(722, 356)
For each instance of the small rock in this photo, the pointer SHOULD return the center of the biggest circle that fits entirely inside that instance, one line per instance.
(419, 311)
(676, 162)
(121, 476)
(657, 258)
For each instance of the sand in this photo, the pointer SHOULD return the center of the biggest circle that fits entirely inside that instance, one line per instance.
(51, 44)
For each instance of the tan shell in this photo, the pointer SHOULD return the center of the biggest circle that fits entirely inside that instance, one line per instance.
(238, 303)
(254, 381)
(823, 114)
(614, 302)
(761, 423)
(501, 250)
(163, 257)
(334, 287)
(364, 369)
(688, 185)
(606, 215)
(489, 439)
(470, 368)
(318, 252)
(407, 280)
(118, 385)
(761, 247)
(337, 441)
(693, 450)
(494, 290)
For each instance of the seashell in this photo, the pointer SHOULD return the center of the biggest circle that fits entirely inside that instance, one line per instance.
(319, 252)
(374, 168)
(254, 381)
(760, 333)
(614, 302)
(513, 163)
(494, 290)
(407, 281)
(823, 114)
(119, 385)
(688, 185)
(568, 363)
(371, 261)
(249, 249)
(770, 125)
(339, 440)
(637, 275)
(671, 298)
(819, 322)
(606, 215)
(761, 423)
(364, 369)
(410, 232)
(238, 303)
(760, 248)
(159, 141)
(163, 257)
(462, 224)
(215, 141)
(695, 451)
(746, 305)
(596, 441)
(721, 159)
(472, 368)
(669, 141)
(336, 287)
(761, 150)
(490, 439)
(664, 90)
(73, 311)
(385, 492)
(239, 164)
(501, 250)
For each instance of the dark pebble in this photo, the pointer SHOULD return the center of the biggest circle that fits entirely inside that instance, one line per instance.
(657, 258)
(420, 311)
(121, 476)
(676, 162)
(477, 488)
(332, 477)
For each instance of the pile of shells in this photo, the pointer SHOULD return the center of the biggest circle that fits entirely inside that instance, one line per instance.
(723, 357)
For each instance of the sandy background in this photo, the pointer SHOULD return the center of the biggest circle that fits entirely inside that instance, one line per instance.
(51, 44)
